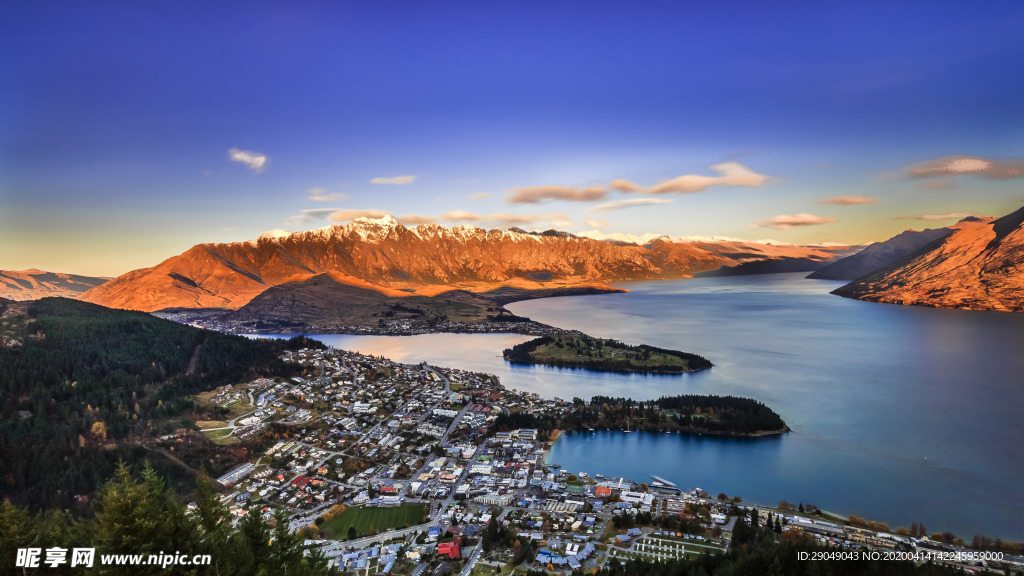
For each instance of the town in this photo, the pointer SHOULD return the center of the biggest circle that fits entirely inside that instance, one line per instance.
(389, 468)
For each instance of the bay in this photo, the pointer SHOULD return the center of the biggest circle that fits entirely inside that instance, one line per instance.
(899, 413)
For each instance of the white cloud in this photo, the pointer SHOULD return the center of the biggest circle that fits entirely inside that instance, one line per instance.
(538, 194)
(847, 200)
(968, 165)
(562, 223)
(308, 216)
(786, 221)
(595, 223)
(399, 180)
(321, 195)
(730, 174)
(629, 203)
(254, 160)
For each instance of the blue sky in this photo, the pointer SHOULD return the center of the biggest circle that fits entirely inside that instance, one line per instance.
(116, 120)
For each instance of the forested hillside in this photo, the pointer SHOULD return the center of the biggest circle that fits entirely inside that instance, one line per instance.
(83, 385)
(137, 514)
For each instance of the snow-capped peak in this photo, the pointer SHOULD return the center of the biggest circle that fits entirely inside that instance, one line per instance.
(275, 234)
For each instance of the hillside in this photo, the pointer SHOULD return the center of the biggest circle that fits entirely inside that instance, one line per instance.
(880, 254)
(332, 301)
(383, 255)
(34, 284)
(978, 267)
(84, 386)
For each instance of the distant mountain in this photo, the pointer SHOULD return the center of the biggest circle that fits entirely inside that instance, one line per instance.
(34, 284)
(880, 254)
(980, 266)
(381, 254)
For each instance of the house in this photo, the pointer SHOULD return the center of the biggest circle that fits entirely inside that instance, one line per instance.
(449, 549)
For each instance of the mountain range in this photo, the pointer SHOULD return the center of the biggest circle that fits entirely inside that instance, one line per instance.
(978, 266)
(880, 254)
(384, 256)
(34, 284)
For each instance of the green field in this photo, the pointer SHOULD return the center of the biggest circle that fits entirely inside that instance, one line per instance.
(220, 436)
(373, 520)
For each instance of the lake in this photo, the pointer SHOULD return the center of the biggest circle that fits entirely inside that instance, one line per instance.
(899, 413)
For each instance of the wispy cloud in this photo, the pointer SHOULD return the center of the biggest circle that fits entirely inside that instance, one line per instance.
(730, 174)
(538, 194)
(416, 219)
(351, 214)
(480, 195)
(452, 216)
(629, 203)
(847, 200)
(786, 221)
(946, 216)
(321, 195)
(967, 165)
(595, 223)
(500, 217)
(309, 216)
(623, 185)
(938, 184)
(254, 160)
(399, 180)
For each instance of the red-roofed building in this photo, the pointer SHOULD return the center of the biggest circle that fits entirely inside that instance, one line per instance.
(602, 491)
(449, 549)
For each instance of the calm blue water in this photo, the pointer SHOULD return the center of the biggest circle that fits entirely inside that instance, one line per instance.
(899, 414)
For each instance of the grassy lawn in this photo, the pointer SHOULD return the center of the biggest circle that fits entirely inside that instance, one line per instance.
(480, 569)
(367, 520)
(204, 424)
(221, 437)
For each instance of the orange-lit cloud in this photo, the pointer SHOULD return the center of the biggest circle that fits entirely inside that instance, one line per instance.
(254, 160)
(416, 219)
(629, 203)
(350, 214)
(500, 217)
(786, 221)
(480, 195)
(730, 174)
(847, 200)
(623, 185)
(538, 194)
(967, 165)
(596, 223)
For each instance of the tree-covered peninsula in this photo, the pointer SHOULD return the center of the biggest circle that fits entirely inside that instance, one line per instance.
(575, 350)
(686, 414)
